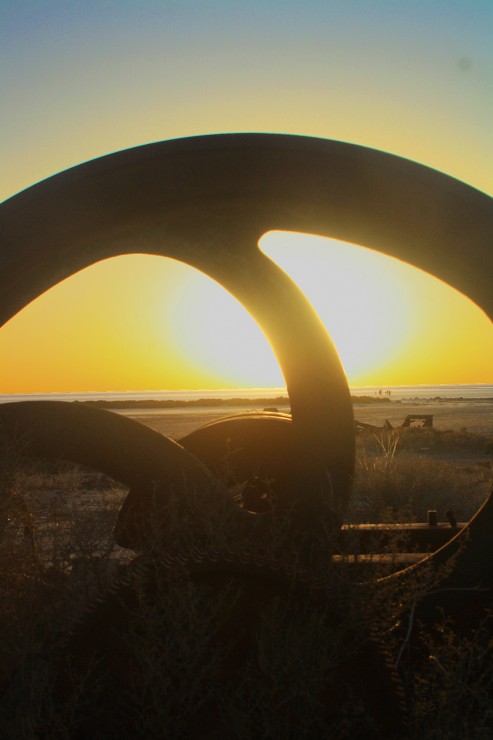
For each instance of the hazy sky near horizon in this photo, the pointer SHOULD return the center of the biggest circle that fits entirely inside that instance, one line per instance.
(83, 79)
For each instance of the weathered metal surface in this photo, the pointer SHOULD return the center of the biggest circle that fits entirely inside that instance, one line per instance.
(253, 449)
(172, 197)
(206, 202)
(424, 420)
(157, 469)
(112, 443)
(471, 551)
(411, 537)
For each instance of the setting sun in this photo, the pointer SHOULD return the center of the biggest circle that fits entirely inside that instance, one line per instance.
(139, 323)
(406, 81)
(246, 369)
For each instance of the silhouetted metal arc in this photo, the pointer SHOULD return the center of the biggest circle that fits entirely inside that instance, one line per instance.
(207, 200)
(472, 553)
(148, 462)
(246, 184)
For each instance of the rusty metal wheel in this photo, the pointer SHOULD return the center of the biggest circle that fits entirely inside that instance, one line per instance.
(255, 451)
(206, 202)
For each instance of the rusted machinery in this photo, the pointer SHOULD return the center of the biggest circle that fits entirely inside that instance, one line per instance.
(206, 201)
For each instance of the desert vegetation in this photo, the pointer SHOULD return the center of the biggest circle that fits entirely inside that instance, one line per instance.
(58, 555)
(402, 473)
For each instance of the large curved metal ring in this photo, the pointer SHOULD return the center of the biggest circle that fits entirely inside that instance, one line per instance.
(206, 201)
(153, 466)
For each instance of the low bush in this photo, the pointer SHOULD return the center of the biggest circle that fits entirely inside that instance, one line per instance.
(394, 482)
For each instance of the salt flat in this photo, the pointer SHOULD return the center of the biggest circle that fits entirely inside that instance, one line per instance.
(474, 415)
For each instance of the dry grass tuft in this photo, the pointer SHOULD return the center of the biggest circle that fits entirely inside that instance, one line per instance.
(402, 474)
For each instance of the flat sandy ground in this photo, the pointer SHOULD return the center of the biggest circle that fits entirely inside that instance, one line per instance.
(475, 416)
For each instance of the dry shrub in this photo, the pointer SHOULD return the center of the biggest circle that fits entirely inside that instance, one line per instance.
(55, 555)
(453, 689)
(428, 441)
(395, 483)
(56, 552)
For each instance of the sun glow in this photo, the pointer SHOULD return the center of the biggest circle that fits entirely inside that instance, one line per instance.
(391, 323)
(353, 291)
(414, 82)
(215, 332)
(141, 323)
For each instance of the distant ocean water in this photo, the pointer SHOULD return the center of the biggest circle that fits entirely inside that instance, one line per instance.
(475, 412)
(394, 392)
(408, 392)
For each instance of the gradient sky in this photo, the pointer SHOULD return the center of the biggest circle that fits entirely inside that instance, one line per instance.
(82, 79)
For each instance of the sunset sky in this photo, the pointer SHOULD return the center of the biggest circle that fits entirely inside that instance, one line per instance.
(83, 79)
